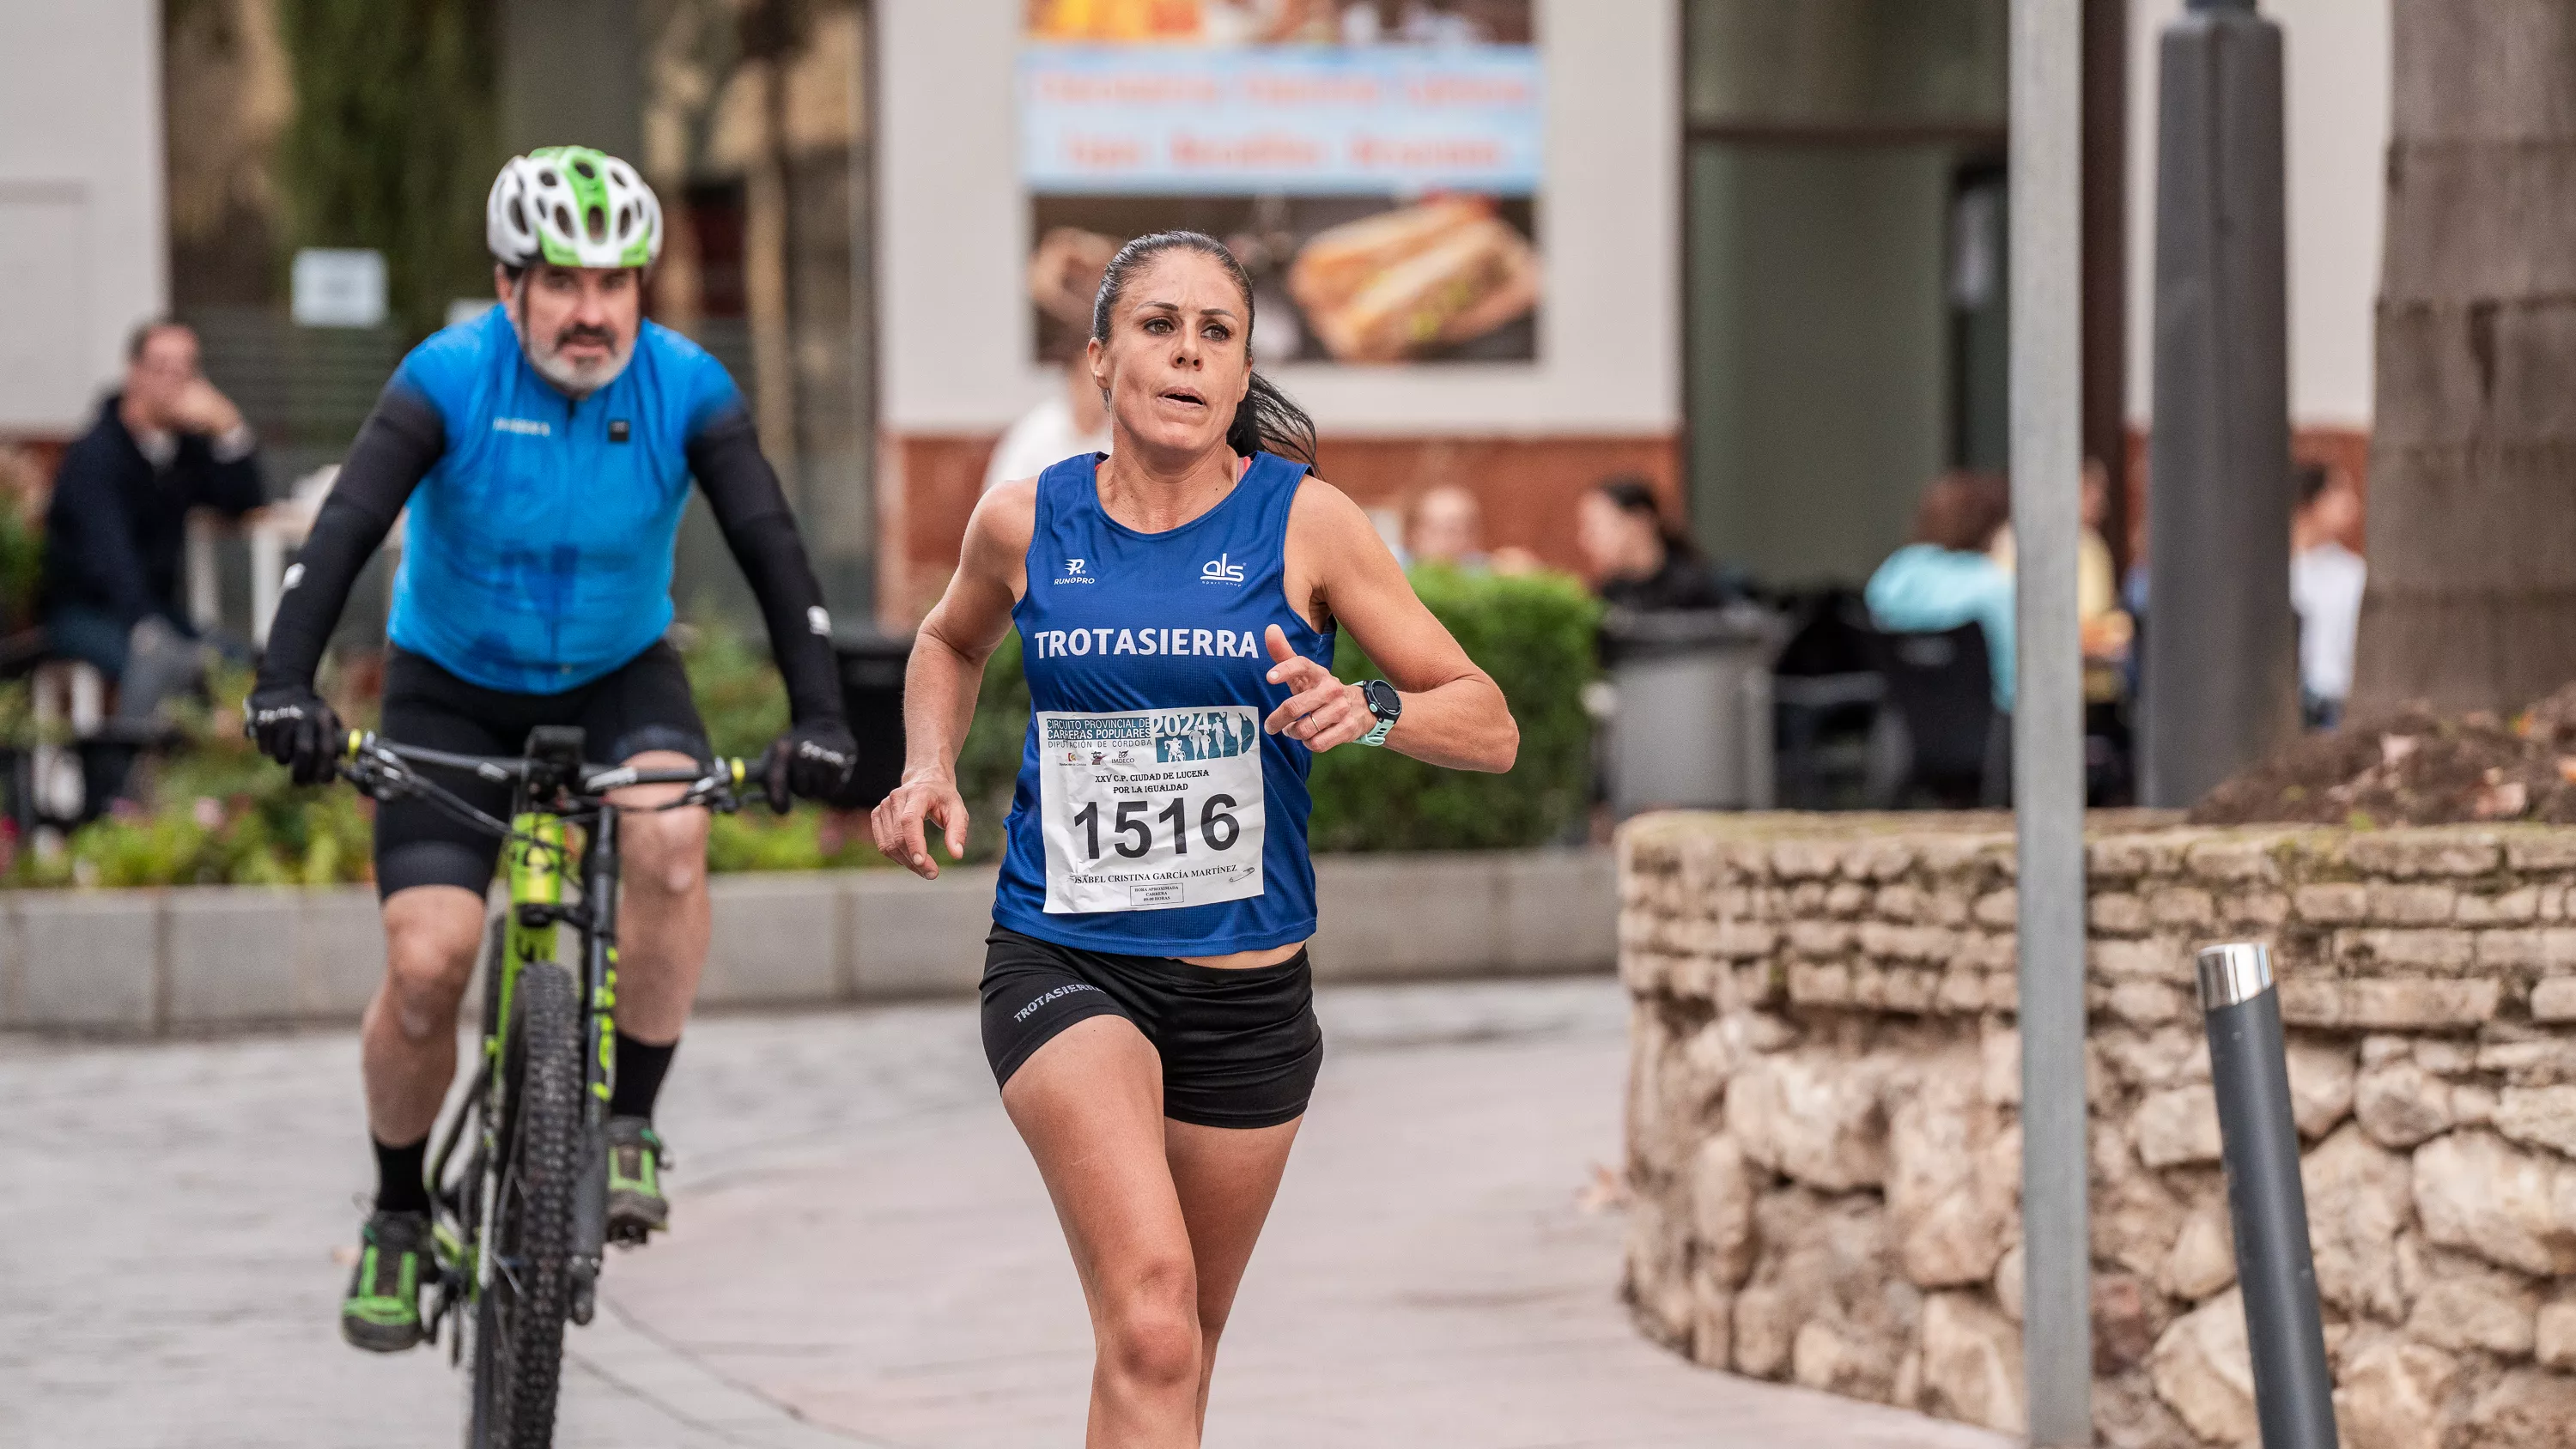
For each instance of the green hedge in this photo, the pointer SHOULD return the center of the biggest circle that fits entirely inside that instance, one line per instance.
(223, 815)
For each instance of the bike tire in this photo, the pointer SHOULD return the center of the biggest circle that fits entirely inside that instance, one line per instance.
(520, 1315)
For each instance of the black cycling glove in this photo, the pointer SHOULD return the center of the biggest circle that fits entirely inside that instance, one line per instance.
(296, 729)
(812, 759)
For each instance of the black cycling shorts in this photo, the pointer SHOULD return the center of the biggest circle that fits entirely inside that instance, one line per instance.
(1240, 1048)
(640, 705)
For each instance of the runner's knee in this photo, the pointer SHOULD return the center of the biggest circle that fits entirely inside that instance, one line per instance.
(1150, 1334)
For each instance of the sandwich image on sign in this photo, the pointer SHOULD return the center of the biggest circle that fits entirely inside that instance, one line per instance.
(1436, 274)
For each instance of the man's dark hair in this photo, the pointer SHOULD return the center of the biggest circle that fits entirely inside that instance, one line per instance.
(1631, 494)
(141, 336)
(1962, 510)
(2314, 479)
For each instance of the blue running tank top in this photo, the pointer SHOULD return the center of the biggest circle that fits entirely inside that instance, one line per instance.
(1154, 816)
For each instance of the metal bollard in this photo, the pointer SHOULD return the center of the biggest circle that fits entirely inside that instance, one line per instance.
(2293, 1389)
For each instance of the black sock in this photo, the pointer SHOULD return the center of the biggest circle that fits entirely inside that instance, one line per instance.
(640, 1066)
(399, 1188)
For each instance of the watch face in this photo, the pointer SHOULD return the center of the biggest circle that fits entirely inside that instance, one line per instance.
(1383, 700)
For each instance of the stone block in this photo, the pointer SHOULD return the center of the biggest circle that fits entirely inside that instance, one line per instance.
(2117, 914)
(2178, 1125)
(2516, 1209)
(1827, 939)
(911, 937)
(2393, 1394)
(2154, 959)
(1806, 859)
(2553, 1339)
(1821, 983)
(1812, 1115)
(1878, 858)
(2544, 947)
(2416, 853)
(2554, 1000)
(2400, 1104)
(2394, 1004)
(2321, 1086)
(2511, 908)
(1721, 1187)
(2203, 1371)
(2411, 950)
(1999, 909)
(2473, 1308)
(2203, 1260)
(2413, 904)
(2358, 1194)
(231, 954)
(89, 961)
(1952, 1208)
(2332, 903)
(1972, 1363)
(780, 940)
(2261, 909)
(2235, 861)
(2148, 1003)
(2539, 1117)
(2184, 907)
(2526, 1409)
(1744, 940)
(1900, 903)
(2544, 848)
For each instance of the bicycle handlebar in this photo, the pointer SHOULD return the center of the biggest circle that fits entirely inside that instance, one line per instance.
(373, 764)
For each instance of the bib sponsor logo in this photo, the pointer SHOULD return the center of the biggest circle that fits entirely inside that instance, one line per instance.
(525, 427)
(1221, 570)
(1071, 643)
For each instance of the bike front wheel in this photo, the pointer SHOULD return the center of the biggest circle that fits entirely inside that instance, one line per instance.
(518, 1318)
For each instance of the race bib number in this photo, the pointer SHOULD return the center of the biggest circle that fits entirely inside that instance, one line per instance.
(1152, 810)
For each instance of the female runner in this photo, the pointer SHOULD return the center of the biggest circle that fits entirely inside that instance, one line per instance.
(1148, 1008)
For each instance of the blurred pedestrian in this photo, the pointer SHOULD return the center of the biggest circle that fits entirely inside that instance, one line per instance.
(2326, 579)
(1069, 422)
(116, 529)
(1947, 575)
(1638, 561)
(1064, 277)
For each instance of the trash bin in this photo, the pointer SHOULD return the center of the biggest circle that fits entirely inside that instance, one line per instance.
(1691, 727)
(872, 666)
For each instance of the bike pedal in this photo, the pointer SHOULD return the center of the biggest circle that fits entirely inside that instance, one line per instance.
(630, 1235)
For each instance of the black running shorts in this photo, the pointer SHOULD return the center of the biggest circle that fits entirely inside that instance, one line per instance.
(1240, 1047)
(640, 705)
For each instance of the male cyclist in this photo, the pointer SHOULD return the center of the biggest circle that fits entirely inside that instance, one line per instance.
(545, 451)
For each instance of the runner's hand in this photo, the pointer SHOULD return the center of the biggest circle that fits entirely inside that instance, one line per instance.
(1322, 711)
(296, 729)
(901, 820)
(813, 759)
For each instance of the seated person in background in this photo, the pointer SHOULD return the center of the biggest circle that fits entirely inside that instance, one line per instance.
(2326, 580)
(2107, 629)
(1946, 577)
(1446, 526)
(116, 529)
(1638, 561)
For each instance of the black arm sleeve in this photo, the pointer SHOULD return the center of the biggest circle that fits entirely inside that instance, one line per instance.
(397, 445)
(752, 510)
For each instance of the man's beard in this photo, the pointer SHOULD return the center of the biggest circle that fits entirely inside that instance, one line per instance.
(578, 378)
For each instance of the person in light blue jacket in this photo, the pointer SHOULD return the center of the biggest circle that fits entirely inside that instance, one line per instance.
(1945, 578)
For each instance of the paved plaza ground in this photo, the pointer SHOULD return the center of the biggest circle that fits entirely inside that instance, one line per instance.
(864, 1256)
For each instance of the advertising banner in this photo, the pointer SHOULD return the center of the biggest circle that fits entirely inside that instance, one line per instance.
(1375, 164)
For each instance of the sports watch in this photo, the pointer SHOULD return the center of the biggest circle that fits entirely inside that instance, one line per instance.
(1386, 704)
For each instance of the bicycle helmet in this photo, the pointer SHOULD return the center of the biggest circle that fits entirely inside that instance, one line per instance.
(574, 207)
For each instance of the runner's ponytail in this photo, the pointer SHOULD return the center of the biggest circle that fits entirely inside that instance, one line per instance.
(1266, 421)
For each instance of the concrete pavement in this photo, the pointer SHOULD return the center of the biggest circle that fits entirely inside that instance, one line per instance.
(864, 1255)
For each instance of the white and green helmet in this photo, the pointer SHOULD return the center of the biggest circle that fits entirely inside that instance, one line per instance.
(574, 207)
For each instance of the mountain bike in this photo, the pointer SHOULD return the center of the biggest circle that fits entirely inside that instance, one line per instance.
(520, 1224)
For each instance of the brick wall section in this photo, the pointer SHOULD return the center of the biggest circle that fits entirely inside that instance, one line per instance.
(1824, 1155)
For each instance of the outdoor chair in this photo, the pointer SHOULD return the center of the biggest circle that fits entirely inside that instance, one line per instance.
(1941, 688)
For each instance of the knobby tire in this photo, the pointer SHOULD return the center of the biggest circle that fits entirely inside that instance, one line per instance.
(519, 1320)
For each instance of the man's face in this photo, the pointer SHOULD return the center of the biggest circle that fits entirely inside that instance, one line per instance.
(578, 323)
(160, 373)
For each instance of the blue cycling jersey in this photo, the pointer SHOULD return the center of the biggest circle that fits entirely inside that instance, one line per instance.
(538, 553)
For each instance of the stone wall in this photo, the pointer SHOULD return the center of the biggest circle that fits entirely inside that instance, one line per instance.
(1824, 1153)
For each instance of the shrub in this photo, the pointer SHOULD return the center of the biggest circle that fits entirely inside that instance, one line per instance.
(1534, 633)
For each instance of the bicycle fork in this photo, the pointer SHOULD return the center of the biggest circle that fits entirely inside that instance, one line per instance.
(599, 993)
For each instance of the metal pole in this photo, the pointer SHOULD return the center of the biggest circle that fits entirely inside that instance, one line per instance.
(2220, 688)
(2293, 1390)
(2048, 722)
